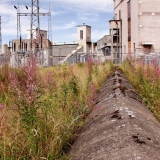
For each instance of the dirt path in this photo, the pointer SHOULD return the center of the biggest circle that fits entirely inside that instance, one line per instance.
(120, 127)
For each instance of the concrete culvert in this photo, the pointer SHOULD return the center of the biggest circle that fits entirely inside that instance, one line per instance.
(120, 128)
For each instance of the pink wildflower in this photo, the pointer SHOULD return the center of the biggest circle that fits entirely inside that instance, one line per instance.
(1, 105)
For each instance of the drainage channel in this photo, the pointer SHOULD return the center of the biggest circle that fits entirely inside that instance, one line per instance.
(120, 127)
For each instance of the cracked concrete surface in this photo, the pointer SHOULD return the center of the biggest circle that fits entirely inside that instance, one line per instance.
(121, 127)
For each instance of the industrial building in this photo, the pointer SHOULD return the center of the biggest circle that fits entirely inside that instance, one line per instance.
(24, 46)
(139, 25)
(19, 50)
(76, 51)
(134, 29)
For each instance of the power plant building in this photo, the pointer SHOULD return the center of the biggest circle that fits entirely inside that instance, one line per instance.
(140, 25)
(134, 29)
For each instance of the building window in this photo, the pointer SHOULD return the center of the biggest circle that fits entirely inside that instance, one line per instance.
(41, 42)
(14, 47)
(81, 34)
(19, 47)
(129, 19)
(25, 45)
(116, 35)
(22, 46)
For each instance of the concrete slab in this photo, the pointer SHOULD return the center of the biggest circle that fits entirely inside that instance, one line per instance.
(120, 127)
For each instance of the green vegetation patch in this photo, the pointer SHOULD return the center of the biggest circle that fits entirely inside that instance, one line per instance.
(42, 109)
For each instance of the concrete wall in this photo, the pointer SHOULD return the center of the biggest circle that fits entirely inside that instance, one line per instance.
(150, 21)
(43, 33)
(105, 41)
(5, 49)
(59, 52)
(25, 45)
(63, 50)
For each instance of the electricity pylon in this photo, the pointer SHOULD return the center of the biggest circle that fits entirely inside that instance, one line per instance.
(35, 37)
(35, 25)
(49, 25)
(18, 25)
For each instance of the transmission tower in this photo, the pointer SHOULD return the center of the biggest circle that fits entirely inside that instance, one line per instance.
(18, 25)
(49, 24)
(35, 37)
(35, 24)
(0, 38)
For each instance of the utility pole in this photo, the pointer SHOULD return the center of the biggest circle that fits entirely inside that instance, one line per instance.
(0, 38)
(49, 24)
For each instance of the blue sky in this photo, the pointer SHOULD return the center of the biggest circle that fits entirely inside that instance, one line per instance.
(66, 15)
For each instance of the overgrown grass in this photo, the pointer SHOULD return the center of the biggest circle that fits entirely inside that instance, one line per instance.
(42, 109)
(146, 79)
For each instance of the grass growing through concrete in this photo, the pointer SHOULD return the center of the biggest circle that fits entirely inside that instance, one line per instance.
(146, 79)
(42, 109)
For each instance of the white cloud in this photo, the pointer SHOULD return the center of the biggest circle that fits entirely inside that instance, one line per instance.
(74, 36)
(66, 26)
(85, 10)
(67, 38)
(89, 5)
(98, 34)
(88, 16)
(9, 19)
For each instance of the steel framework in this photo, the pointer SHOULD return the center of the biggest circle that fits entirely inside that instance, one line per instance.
(18, 24)
(35, 25)
(35, 37)
(49, 24)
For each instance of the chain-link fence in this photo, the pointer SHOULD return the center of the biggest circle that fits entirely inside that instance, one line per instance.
(46, 59)
(18, 59)
(51, 57)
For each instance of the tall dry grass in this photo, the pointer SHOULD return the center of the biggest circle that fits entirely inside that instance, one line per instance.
(42, 109)
(146, 79)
